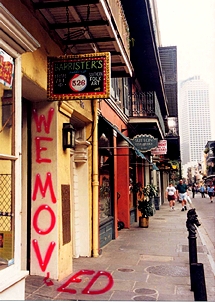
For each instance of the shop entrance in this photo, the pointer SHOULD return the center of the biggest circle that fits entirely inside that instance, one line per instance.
(26, 174)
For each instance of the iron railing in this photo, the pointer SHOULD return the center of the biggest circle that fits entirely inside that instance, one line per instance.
(145, 104)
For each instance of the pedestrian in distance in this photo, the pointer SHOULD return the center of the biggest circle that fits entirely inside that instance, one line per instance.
(171, 195)
(210, 191)
(189, 201)
(182, 192)
(193, 190)
(202, 191)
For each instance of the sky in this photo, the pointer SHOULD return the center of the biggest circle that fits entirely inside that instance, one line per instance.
(190, 25)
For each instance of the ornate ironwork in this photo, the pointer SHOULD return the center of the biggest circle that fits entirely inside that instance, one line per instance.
(192, 221)
(145, 104)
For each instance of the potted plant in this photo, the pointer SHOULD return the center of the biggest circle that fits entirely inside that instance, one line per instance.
(145, 203)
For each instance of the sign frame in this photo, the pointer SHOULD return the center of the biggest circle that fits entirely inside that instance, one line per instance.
(144, 142)
(78, 77)
(161, 148)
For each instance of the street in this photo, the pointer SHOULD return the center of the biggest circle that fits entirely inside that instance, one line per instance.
(206, 214)
(150, 264)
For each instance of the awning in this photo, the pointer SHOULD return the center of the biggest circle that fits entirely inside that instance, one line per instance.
(137, 151)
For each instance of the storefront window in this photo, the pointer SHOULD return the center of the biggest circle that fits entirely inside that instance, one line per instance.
(104, 202)
(6, 159)
(6, 214)
(104, 178)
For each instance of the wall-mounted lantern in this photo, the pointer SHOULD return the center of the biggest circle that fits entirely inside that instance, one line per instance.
(68, 136)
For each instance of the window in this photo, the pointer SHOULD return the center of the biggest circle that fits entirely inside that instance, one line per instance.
(7, 158)
(115, 89)
(104, 178)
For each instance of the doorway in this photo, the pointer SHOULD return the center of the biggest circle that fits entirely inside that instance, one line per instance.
(26, 182)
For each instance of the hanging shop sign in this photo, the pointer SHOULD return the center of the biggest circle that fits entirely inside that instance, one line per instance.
(161, 148)
(79, 77)
(144, 142)
(6, 69)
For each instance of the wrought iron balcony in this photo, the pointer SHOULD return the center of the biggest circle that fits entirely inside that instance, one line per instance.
(145, 104)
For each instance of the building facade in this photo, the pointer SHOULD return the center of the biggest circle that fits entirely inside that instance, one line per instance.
(194, 115)
(67, 162)
(209, 162)
(168, 57)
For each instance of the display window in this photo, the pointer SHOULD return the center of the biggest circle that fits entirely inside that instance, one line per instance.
(104, 178)
(105, 198)
(7, 159)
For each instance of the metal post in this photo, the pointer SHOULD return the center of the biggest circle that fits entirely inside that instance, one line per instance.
(191, 223)
(192, 247)
(192, 255)
(199, 286)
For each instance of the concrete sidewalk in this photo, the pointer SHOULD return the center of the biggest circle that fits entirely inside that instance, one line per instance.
(149, 264)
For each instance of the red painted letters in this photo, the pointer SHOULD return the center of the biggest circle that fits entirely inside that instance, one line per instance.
(42, 119)
(43, 264)
(39, 149)
(35, 219)
(47, 281)
(87, 290)
(75, 278)
(38, 185)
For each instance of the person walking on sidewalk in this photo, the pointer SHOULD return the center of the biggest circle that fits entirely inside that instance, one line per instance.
(210, 191)
(171, 195)
(182, 192)
(202, 191)
(193, 190)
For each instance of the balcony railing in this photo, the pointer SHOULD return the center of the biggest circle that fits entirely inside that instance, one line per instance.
(121, 22)
(145, 104)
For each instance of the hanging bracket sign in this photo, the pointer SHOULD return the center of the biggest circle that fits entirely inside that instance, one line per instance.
(161, 148)
(144, 142)
(79, 77)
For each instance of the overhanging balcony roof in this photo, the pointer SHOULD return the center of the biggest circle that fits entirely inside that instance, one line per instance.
(144, 51)
(86, 26)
